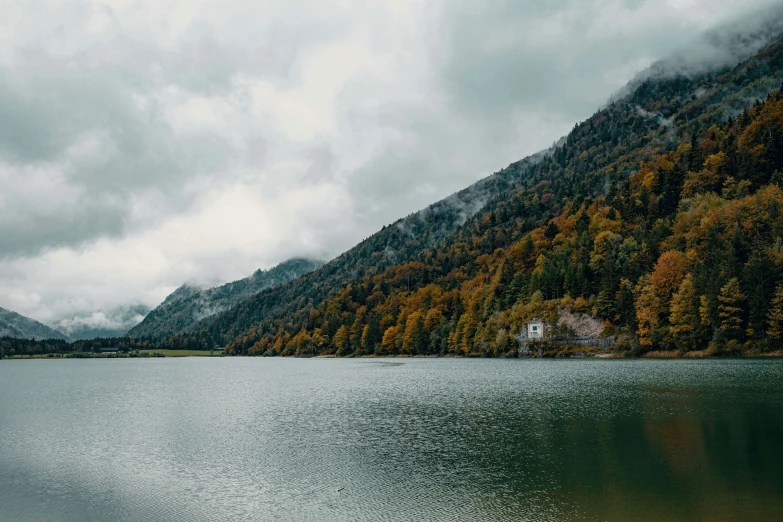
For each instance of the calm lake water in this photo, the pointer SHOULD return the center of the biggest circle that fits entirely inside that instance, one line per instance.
(406, 439)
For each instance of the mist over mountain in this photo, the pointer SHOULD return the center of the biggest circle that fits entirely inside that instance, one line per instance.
(189, 303)
(103, 323)
(14, 325)
(719, 48)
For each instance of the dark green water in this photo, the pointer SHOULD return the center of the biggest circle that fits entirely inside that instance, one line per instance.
(279, 439)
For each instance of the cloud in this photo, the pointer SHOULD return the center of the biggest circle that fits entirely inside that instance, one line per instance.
(102, 323)
(143, 144)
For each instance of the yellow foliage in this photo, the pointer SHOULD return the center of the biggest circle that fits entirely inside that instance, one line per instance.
(433, 319)
(683, 317)
(389, 342)
(341, 337)
(408, 336)
(581, 304)
(648, 310)
(668, 274)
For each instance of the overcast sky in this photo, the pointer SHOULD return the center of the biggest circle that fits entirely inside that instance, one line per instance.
(148, 143)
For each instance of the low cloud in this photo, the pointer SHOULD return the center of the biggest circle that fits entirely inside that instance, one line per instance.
(102, 322)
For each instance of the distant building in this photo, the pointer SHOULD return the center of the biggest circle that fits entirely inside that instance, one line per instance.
(110, 349)
(535, 329)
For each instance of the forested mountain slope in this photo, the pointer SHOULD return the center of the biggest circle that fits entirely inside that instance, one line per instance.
(188, 304)
(660, 214)
(19, 326)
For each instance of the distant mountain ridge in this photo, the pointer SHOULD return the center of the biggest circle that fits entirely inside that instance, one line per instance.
(189, 304)
(15, 325)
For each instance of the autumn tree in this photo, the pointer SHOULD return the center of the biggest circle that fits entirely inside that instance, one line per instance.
(668, 274)
(389, 341)
(340, 339)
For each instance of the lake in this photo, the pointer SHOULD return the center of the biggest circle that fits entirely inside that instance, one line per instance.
(197, 439)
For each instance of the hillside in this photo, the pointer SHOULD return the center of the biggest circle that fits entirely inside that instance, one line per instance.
(188, 304)
(596, 224)
(19, 326)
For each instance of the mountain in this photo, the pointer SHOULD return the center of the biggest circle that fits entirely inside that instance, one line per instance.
(189, 304)
(441, 274)
(718, 49)
(662, 214)
(21, 327)
(102, 323)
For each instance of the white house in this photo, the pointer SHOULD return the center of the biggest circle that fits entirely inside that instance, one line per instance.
(535, 329)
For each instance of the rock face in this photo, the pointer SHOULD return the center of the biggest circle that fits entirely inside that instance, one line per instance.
(19, 326)
(189, 304)
(582, 325)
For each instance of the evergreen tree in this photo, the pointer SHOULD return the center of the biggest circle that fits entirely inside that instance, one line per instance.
(626, 312)
(684, 316)
(604, 307)
(648, 305)
(371, 336)
(775, 317)
(730, 309)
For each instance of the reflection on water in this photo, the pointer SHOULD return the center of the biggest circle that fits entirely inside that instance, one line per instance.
(205, 439)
